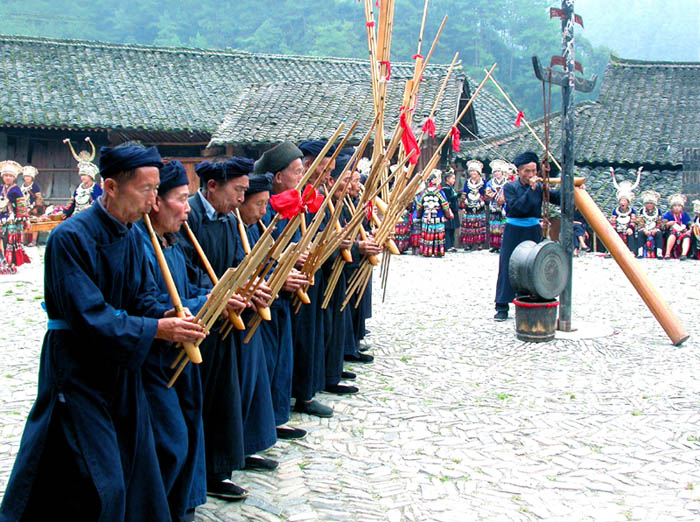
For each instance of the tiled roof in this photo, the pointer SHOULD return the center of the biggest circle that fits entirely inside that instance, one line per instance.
(645, 113)
(283, 111)
(519, 139)
(185, 92)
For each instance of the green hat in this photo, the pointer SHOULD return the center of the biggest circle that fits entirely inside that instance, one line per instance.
(277, 158)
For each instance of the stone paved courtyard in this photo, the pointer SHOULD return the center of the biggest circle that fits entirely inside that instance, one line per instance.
(458, 420)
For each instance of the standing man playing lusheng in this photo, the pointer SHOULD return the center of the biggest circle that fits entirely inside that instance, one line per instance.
(87, 452)
(523, 212)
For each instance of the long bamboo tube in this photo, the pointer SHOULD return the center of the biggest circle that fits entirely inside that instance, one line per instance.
(345, 252)
(390, 243)
(193, 353)
(234, 318)
(264, 311)
(625, 259)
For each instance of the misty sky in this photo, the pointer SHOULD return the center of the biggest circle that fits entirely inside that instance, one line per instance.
(644, 29)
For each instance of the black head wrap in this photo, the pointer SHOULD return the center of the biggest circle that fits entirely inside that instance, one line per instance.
(277, 158)
(172, 175)
(314, 148)
(120, 159)
(259, 183)
(223, 171)
(340, 164)
(525, 158)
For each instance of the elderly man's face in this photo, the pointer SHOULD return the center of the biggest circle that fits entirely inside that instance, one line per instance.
(342, 182)
(290, 176)
(227, 196)
(254, 207)
(527, 171)
(136, 195)
(355, 185)
(171, 209)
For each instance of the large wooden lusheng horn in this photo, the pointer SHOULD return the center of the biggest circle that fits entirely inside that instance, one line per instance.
(622, 255)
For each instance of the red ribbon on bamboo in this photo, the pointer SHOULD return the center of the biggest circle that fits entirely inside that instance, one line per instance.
(429, 127)
(370, 210)
(289, 203)
(454, 132)
(408, 139)
(388, 69)
(519, 119)
(370, 24)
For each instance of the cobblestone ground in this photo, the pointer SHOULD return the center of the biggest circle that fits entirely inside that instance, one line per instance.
(457, 419)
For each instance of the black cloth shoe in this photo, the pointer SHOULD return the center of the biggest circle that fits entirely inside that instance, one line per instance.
(226, 490)
(361, 358)
(340, 389)
(289, 433)
(348, 376)
(313, 408)
(501, 316)
(683, 258)
(260, 463)
(364, 347)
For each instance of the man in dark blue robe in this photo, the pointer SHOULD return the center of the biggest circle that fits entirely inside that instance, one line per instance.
(88, 451)
(523, 199)
(211, 219)
(176, 413)
(288, 164)
(276, 333)
(361, 248)
(212, 222)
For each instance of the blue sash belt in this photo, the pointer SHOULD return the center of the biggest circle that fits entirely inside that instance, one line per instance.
(523, 222)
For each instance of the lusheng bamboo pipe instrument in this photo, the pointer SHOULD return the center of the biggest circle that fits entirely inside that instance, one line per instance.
(264, 311)
(374, 260)
(345, 252)
(234, 318)
(625, 259)
(193, 353)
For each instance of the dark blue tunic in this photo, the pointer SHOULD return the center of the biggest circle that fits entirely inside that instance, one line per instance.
(259, 429)
(278, 346)
(308, 368)
(221, 413)
(88, 452)
(176, 413)
(521, 202)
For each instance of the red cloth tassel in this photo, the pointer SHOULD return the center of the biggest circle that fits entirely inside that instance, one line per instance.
(388, 69)
(311, 199)
(454, 132)
(370, 210)
(519, 119)
(289, 203)
(416, 56)
(370, 24)
(408, 140)
(429, 127)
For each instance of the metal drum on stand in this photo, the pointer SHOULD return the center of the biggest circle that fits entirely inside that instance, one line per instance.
(538, 273)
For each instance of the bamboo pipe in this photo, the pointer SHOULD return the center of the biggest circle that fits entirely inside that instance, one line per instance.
(193, 353)
(577, 181)
(347, 255)
(527, 124)
(390, 243)
(233, 317)
(625, 259)
(374, 260)
(264, 311)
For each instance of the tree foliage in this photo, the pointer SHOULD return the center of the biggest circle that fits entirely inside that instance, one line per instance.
(482, 31)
